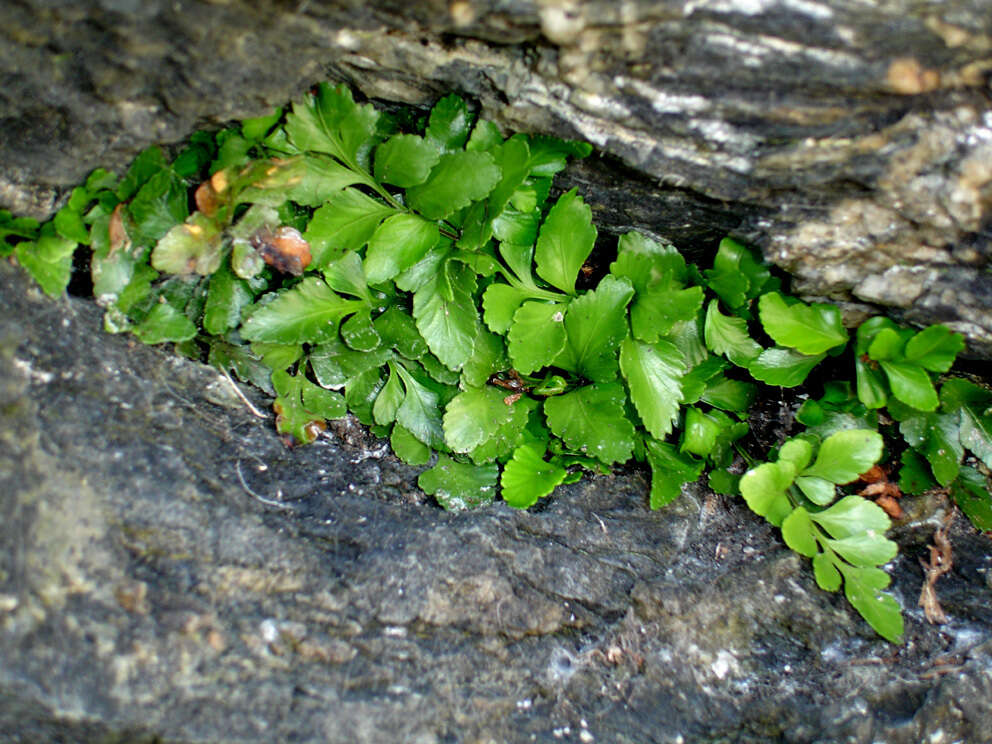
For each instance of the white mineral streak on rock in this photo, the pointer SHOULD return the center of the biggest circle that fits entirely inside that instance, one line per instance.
(756, 7)
(756, 50)
(664, 101)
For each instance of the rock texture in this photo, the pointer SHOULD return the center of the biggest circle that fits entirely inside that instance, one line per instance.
(851, 141)
(170, 571)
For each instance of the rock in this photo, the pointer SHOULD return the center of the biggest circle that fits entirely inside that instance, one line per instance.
(170, 571)
(850, 141)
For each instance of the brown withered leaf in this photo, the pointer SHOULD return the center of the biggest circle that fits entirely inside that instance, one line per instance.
(119, 240)
(509, 380)
(890, 506)
(874, 474)
(885, 492)
(207, 199)
(285, 250)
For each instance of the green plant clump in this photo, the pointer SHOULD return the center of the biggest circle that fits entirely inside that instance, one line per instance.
(416, 272)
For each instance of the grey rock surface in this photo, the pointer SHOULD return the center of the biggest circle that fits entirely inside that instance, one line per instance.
(171, 572)
(851, 141)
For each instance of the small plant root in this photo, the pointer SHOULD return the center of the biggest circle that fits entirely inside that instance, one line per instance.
(941, 562)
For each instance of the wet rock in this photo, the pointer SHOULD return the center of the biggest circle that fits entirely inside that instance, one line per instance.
(850, 141)
(170, 571)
